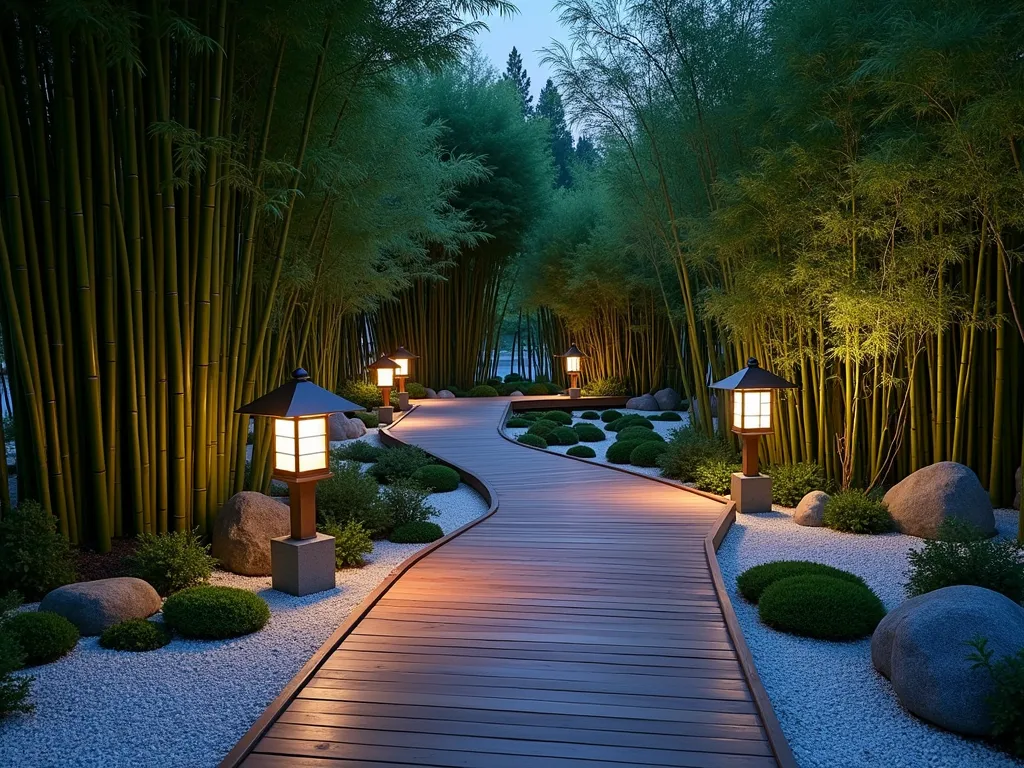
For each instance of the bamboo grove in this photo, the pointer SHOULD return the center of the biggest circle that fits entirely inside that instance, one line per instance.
(833, 188)
(198, 197)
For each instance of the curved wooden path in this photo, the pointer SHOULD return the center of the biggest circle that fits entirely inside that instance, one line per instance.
(581, 625)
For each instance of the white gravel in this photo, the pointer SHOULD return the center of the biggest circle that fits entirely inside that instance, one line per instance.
(189, 702)
(835, 709)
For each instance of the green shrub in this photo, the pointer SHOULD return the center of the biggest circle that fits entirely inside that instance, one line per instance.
(620, 452)
(853, 511)
(135, 635)
(543, 427)
(687, 448)
(361, 393)
(530, 416)
(639, 433)
(666, 416)
(399, 463)
(416, 390)
(406, 504)
(351, 542)
(351, 495)
(964, 555)
(356, 450)
(494, 381)
(754, 581)
(513, 378)
(561, 418)
(791, 482)
(553, 389)
(14, 689)
(563, 436)
(1006, 702)
(537, 389)
(482, 390)
(822, 607)
(455, 390)
(542, 378)
(516, 386)
(517, 423)
(437, 478)
(533, 440)
(416, 533)
(590, 415)
(714, 475)
(646, 454)
(34, 557)
(370, 420)
(610, 415)
(609, 386)
(215, 613)
(171, 561)
(632, 420)
(582, 452)
(43, 636)
(590, 433)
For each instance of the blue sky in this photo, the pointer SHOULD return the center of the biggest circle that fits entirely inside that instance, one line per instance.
(529, 30)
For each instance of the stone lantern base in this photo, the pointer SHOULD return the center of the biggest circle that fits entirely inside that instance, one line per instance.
(302, 566)
(386, 414)
(752, 493)
(403, 401)
(574, 393)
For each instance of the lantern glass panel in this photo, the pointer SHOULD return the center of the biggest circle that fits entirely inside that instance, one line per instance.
(403, 367)
(312, 443)
(752, 409)
(385, 377)
(572, 364)
(285, 445)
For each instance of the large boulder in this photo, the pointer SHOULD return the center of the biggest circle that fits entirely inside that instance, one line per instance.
(444, 394)
(344, 428)
(668, 399)
(811, 509)
(243, 530)
(643, 403)
(923, 648)
(923, 500)
(93, 606)
(431, 394)
(517, 393)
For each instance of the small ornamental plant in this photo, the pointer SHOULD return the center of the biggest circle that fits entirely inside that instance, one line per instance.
(135, 635)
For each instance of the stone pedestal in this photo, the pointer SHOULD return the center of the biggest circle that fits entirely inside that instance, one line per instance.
(574, 393)
(752, 493)
(302, 566)
(403, 401)
(386, 414)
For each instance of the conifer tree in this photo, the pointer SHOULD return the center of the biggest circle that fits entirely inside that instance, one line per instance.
(549, 106)
(516, 73)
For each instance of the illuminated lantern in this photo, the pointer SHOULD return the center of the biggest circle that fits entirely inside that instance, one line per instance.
(385, 370)
(404, 358)
(300, 410)
(752, 393)
(573, 365)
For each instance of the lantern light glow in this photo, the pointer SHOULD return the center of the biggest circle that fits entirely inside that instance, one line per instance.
(300, 445)
(752, 409)
(385, 377)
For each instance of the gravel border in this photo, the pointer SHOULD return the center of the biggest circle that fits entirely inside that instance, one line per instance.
(829, 698)
(188, 703)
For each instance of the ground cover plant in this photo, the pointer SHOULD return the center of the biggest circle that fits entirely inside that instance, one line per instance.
(135, 635)
(754, 581)
(822, 607)
(171, 561)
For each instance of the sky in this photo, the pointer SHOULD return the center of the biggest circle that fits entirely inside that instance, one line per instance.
(529, 30)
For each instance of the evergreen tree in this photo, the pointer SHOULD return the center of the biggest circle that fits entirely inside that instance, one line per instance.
(586, 152)
(516, 74)
(549, 106)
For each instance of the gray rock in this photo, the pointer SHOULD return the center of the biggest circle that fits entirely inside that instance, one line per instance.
(243, 530)
(923, 648)
(810, 510)
(444, 394)
(695, 405)
(668, 399)
(92, 606)
(431, 394)
(517, 393)
(924, 499)
(344, 428)
(643, 403)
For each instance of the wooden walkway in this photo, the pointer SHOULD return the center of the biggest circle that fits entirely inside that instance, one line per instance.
(581, 625)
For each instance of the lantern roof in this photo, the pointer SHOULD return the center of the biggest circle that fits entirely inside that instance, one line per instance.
(402, 354)
(299, 397)
(573, 351)
(753, 377)
(384, 362)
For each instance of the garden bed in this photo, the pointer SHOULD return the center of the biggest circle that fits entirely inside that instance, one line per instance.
(835, 709)
(191, 701)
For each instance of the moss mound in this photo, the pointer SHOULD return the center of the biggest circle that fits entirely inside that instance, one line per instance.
(537, 389)
(482, 390)
(591, 415)
(42, 636)
(563, 436)
(666, 416)
(215, 613)
(582, 452)
(370, 420)
(633, 420)
(646, 454)
(533, 440)
(543, 427)
(517, 423)
(590, 433)
(754, 581)
(822, 607)
(561, 418)
(620, 453)
(639, 432)
(610, 415)
(416, 533)
(437, 478)
(136, 635)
